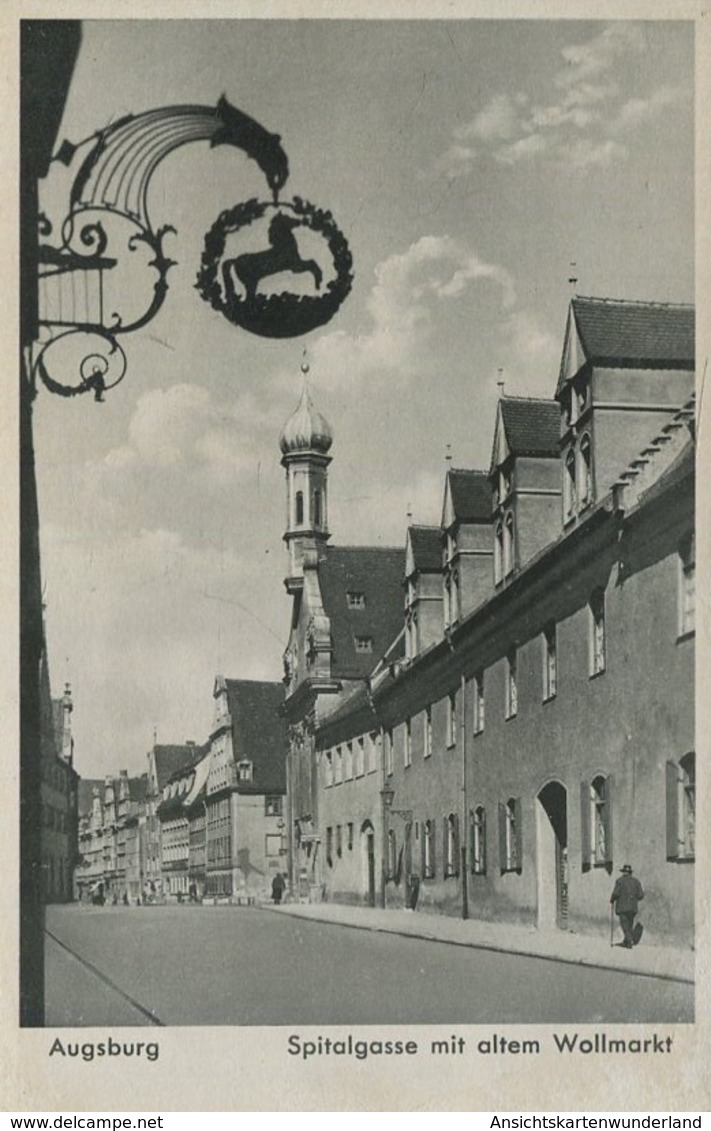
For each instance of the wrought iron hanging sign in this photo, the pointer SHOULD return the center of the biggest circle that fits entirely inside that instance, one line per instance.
(293, 280)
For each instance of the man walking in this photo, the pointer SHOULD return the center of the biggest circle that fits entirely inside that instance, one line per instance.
(626, 896)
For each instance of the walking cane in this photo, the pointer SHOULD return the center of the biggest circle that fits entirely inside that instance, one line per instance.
(612, 926)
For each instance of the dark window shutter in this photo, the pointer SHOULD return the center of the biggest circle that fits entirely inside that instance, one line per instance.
(445, 845)
(609, 797)
(433, 868)
(672, 781)
(456, 845)
(585, 824)
(519, 835)
(503, 862)
(423, 848)
(483, 841)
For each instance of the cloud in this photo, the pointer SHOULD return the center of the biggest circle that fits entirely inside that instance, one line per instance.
(585, 153)
(591, 60)
(525, 149)
(182, 426)
(576, 128)
(409, 290)
(638, 111)
(498, 121)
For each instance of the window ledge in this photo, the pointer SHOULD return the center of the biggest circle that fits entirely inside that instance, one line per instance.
(596, 675)
(550, 698)
(688, 635)
(513, 715)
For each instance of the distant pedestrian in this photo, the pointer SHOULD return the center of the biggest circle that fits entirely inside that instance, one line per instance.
(626, 896)
(278, 886)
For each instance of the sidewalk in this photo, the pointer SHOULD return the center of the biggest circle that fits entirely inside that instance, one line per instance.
(672, 964)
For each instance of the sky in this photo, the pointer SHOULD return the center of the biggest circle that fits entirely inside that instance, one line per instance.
(468, 163)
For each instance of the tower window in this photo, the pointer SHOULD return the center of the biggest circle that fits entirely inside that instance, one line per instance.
(299, 508)
(318, 518)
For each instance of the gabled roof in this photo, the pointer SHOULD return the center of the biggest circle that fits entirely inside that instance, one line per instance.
(619, 333)
(259, 732)
(526, 426)
(424, 550)
(467, 496)
(170, 760)
(378, 573)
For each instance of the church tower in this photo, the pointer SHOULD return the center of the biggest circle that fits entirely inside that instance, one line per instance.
(305, 441)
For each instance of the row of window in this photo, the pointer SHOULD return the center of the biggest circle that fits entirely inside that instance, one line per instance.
(597, 660)
(351, 760)
(596, 830)
(316, 508)
(336, 836)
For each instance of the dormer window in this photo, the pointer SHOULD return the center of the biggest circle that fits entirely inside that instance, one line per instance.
(355, 600)
(570, 491)
(580, 396)
(363, 644)
(498, 552)
(508, 544)
(244, 770)
(504, 485)
(585, 486)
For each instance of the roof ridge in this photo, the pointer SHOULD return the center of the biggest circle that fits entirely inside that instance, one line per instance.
(637, 302)
(534, 400)
(470, 470)
(265, 682)
(397, 549)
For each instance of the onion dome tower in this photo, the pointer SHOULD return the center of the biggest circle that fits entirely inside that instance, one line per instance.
(305, 441)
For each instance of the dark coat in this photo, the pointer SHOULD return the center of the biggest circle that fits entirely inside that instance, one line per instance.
(626, 894)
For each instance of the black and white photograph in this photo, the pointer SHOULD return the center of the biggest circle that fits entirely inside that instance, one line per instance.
(357, 446)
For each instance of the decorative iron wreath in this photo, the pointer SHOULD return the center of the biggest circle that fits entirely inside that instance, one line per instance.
(284, 315)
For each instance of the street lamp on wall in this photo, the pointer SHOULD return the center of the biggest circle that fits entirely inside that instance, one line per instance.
(387, 795)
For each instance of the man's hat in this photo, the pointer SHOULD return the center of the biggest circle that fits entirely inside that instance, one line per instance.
(626, 868)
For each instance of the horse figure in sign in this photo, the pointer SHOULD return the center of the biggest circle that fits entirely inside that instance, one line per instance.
(281, 255)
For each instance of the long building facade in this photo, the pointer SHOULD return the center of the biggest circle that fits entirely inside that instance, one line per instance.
(526, 724)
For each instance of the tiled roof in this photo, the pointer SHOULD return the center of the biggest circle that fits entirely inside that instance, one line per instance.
(378, 573)
(426, 543)
(171, 759)
(259, 732)
(354, 715)
(532, 425)
(197, 754)
(616, 332)
(138, 788)
(471, 494)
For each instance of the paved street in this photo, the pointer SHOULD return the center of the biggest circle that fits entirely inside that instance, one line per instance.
(249, 966)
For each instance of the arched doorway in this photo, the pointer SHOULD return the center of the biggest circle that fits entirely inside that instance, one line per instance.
(367, 843)
(552, 856)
